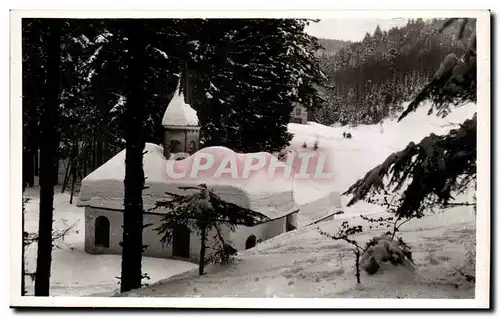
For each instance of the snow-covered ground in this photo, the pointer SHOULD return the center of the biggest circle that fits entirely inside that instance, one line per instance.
(300, 263)
(303, 263)
(75, 272)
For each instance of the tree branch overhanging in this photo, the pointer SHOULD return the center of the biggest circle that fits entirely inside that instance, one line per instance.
(431, 170)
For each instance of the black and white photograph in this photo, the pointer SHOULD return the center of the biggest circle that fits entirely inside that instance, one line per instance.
(319, 160)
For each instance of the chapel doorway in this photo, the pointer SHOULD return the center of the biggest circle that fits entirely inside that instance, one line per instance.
(180, 241)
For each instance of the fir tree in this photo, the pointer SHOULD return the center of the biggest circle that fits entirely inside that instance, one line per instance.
(203, 211)
(263, 68)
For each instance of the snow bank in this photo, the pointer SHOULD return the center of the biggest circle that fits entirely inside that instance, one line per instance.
(179, 113)
(74, 272)
(273, 197)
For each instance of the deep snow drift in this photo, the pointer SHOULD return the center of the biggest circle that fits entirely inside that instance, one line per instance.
(303, 263)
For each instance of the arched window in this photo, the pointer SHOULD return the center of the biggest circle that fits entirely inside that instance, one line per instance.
(180, 241)
(101, 234)
(251, 241)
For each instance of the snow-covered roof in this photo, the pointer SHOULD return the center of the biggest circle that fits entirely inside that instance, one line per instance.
(179, 113)
(273, 197)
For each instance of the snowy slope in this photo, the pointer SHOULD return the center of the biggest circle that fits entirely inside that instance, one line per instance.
(350, 159)
(302, 263)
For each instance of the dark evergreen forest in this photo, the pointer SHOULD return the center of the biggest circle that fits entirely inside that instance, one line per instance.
(371, 79)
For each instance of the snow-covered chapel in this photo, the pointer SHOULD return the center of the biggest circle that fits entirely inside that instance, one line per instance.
(102, 194)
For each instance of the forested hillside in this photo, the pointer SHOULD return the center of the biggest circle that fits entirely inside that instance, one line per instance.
(368, 80)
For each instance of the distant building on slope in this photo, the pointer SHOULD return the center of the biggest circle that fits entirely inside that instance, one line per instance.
(102, 193)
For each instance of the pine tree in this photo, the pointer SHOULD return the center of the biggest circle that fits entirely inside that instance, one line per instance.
(262, 68)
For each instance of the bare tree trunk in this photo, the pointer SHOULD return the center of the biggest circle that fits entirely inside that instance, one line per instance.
(105, 150)
(358, 275)
(66, 175)
(201, 268)
(85, 161)
(48, 158)
(99, 147)
(93, 152)
(55, 169)
(36, 163)
(132, 247)
(73, 173)
(74, 170)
